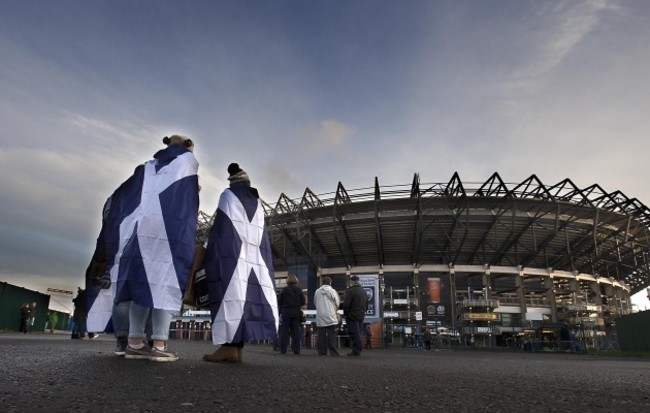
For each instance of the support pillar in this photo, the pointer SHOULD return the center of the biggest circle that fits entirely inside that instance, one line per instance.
(521, 294)
(550, 297)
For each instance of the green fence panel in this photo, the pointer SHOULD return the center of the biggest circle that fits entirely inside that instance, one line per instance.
(633, 331)
(12, 298)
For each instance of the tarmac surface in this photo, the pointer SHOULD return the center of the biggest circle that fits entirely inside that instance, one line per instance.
(52, 373)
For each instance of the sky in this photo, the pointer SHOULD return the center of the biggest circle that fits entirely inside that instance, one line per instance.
(304, 94)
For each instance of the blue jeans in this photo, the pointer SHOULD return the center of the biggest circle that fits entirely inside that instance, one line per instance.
(290, 325)
(79, 327)
(121, 319)
(354, 329)
(160, 320)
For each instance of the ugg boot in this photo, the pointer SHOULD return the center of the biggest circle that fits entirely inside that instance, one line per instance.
(223, 353)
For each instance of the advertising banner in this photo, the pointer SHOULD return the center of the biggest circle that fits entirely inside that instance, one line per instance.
(370, 284)
(435, 299)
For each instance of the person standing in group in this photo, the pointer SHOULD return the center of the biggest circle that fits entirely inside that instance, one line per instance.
(355, 304)
(24, 318)
(32, 315)
(145, 249)
(388, 337)
(52, 320)
(327, 302)
(239, 270)
(368, 335)
(427, 338)
(290, 302)
(79, 314)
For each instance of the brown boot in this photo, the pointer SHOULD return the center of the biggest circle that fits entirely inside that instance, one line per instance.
(240, 352)
(223, 353)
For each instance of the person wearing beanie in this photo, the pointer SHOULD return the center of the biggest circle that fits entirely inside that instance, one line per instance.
(237, 175)
(239, 271)
(355, 304)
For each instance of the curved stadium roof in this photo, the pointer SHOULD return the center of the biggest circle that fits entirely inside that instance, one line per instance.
(528, 224)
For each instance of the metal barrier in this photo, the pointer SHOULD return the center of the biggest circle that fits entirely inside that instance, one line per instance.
(568, 346)
(190, 330)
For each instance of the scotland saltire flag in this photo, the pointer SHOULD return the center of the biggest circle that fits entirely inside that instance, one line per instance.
(239, 270)
(147, 238)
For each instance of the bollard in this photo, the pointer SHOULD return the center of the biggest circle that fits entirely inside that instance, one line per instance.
(207, 333)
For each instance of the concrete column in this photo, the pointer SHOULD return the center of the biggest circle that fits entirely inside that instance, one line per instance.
(596, 296)
(574, 286)
(550, 297)
(519, 283)
(452, 288)
(487, 284)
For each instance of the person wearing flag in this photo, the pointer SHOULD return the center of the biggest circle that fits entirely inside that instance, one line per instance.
(239, 271)
(145, 249)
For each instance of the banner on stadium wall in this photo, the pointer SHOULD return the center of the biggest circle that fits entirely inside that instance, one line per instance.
(435, 299)
(370, 284)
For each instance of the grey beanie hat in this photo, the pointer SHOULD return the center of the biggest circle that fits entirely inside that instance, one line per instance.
(237, 174)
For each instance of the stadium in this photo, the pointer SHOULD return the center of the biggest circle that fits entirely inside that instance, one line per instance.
(487, 262)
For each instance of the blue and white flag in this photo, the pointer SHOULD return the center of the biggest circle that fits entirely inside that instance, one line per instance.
(239, 270)
(148, 237)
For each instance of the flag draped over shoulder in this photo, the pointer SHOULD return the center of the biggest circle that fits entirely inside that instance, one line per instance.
(146, 245)
(239, 270)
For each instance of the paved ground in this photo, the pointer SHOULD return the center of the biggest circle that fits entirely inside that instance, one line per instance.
(44, 373)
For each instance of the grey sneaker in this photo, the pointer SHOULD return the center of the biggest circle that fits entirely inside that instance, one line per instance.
(120, 347)
(143, 353)
(162, 355)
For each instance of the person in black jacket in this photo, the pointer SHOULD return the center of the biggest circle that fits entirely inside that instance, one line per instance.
(290, 303)
(355, 304)
(80, 314)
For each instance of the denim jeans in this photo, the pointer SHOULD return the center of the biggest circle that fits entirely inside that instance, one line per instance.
(354, 329)
(290, 326)
(121, 319)
(160, 320)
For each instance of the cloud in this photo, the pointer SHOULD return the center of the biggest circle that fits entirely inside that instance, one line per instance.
(559, 29)
(556, 89)
(279, 179)
(329, 135)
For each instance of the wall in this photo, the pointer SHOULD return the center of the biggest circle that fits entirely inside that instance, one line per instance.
(12, 297)
(633, 332)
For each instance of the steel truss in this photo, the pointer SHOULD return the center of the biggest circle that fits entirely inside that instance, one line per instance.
(529, 224)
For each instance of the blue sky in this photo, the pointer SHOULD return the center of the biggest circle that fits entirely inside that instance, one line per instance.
(306, 94)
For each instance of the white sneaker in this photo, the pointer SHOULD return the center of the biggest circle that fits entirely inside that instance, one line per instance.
(162, 355)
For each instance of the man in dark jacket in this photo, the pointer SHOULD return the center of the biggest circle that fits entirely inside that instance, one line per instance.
(355, 304)
(80, 314)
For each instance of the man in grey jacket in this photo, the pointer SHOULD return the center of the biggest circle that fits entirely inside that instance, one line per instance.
(355, 304)
(327, 302)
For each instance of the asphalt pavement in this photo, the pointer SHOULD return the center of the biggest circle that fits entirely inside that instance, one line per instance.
(52, 373)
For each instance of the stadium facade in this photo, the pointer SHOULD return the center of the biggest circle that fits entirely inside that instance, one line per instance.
(484, 260)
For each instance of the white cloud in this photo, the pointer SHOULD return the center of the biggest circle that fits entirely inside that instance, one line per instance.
(556, 89)
(329, 135)
(564, 28)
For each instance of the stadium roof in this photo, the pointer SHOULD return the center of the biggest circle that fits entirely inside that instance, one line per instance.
(529, 224)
